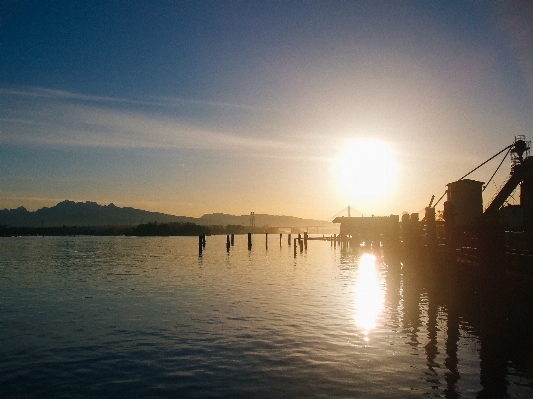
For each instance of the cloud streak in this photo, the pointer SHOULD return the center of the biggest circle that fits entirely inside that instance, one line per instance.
(53, 117)
(165, 101)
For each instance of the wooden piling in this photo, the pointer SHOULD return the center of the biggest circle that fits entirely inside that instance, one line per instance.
(200, 245)
(232, 240)
(431, 228)
(249, 241)
(450, 230)
(266, 240)
(280, 238)
(305, 240)
(228, 244)
(295, 247)
(289, 240)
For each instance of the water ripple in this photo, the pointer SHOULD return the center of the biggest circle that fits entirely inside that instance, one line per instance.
(145, 317)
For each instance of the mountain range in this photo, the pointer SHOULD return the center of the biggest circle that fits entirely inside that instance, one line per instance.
(70, 213)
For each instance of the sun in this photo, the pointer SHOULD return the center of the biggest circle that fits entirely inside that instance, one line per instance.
(365, 170)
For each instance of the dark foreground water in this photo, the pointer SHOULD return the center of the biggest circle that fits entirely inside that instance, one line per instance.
(125, 317)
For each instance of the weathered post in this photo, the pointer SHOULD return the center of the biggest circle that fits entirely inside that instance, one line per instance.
(203, 241)
(431, 228)
(266, 240)
(295, 247)
(289, 240)
(249, 241)
(391, 237)
(280, 238)
(334, 240)
(450, 230)
(200, 245)
(227, 243)
(232, 240)
(305, 240)
(299, 239)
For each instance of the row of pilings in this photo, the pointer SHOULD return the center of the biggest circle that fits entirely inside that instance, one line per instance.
(410, 237)
(299, 242)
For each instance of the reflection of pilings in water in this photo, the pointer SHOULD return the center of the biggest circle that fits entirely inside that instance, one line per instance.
(392, 293)
(431, 347)
(452, 336)
(501, 318)
(435, 282)
(411, 305)
(493, 351)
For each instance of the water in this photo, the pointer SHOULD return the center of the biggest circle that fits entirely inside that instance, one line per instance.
(146, 317)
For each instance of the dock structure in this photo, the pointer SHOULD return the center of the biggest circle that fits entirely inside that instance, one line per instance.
(478, 235)
(370, 230)
(468, 232)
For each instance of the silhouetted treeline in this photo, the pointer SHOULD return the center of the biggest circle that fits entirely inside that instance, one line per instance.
(6, 231)
(167, 229)
(146, 229)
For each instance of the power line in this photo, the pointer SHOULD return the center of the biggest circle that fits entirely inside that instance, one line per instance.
(498, 168)
(494, 156)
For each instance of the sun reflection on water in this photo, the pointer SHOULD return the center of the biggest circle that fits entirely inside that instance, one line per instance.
(369, 296)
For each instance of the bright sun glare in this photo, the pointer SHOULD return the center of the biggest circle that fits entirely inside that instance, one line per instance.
(365, 169)
(369, 296)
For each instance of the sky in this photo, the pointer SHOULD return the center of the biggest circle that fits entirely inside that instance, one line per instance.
(194, 107)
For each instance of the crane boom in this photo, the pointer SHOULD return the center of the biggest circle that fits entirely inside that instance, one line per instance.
(519, 173)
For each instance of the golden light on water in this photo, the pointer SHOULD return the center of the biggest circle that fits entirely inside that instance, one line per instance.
(365, 170)
(369, 296)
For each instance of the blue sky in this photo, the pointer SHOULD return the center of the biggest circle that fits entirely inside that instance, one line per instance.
(198, 107)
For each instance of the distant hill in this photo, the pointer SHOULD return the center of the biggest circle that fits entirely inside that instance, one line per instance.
(69, 213)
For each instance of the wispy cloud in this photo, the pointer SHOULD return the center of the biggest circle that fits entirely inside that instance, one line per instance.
(22, 121)
(54, 117)
(163, 101)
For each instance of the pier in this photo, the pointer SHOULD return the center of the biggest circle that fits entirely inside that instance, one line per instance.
(465, 232)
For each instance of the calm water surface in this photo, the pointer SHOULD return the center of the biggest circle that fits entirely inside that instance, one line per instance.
(146, 317)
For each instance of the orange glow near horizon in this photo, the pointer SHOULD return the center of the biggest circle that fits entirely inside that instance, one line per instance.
(369, 296)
